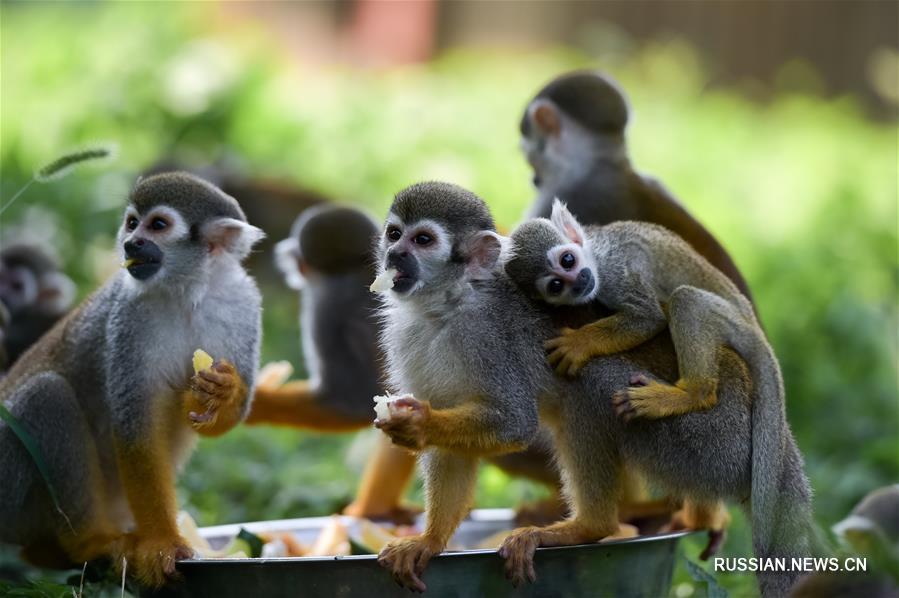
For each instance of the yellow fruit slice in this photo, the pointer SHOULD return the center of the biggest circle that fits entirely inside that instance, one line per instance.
(202, 361)
(373, 536)
(127, 262)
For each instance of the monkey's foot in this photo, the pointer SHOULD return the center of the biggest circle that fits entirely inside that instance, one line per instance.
(212, 405)
(151, 559)
(407, 424)
(570, 351)
(714, 518)
(649, 398)
(519, 546)
(407, 558)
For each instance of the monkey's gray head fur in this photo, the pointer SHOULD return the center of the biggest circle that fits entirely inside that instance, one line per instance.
(550, 259)
(575, 117)
(327, 240)
(437, 235)
(175, 225)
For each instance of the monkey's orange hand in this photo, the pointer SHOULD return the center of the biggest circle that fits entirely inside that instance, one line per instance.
(408, 421)
(215, 401)
(406, 560)
(570, 351)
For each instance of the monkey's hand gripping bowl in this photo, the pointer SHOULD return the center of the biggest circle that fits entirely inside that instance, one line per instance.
(633, 567)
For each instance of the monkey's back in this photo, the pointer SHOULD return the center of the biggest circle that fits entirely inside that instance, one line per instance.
(671, 261)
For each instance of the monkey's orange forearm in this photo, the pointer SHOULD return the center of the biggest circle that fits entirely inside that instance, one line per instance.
(296, 405)
(463, 429)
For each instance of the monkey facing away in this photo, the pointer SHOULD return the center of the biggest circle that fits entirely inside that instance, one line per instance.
(34, 293)
(328, 259)
(650, 278)
(573, 136)
(464, 346)
(109, 395)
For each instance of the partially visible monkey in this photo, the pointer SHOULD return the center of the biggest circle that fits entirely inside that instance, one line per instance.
(466, 345)
(871, 531)
(650, 278)
(328, 258)
(34, 293)
(109, 395)
(573, 135)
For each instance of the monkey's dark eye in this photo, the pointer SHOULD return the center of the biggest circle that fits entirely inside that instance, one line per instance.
(131, 223)
(394, 234)
(567, 260)
(555, 286)
(423, 239)
(159, 224)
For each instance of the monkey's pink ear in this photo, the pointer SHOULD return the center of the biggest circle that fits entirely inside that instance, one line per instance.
(566, 223)
(231, 235)
(482, 251)
(545, 115)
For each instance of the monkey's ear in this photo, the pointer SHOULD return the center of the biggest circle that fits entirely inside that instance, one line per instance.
(231, 235)
(545, 115)
(482, 252)
(566, 223)
(287, 258)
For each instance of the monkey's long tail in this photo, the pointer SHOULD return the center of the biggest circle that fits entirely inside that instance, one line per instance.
(781, 496)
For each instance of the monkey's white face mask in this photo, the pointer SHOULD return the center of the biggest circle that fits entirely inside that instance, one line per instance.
(420, 258)
(161, 249)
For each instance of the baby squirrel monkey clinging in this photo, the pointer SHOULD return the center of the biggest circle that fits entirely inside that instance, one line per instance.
(109, 394)
(650, 278)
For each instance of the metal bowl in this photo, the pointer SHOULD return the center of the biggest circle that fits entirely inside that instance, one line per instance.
(635, 567)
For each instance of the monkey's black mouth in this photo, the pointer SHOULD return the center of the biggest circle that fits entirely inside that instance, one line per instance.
(143, 258)
(143, 270)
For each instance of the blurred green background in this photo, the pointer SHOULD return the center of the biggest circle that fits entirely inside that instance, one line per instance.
(801, 187)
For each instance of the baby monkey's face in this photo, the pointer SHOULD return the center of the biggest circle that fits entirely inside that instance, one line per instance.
(552, 260)
(569, 278)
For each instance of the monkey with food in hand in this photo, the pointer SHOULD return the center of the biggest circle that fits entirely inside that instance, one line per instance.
(109, 397)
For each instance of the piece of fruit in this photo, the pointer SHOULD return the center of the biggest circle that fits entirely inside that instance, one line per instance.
(202, 361)
(382, 407)
(384, 281)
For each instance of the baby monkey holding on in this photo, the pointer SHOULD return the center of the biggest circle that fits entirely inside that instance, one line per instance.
(649, 277)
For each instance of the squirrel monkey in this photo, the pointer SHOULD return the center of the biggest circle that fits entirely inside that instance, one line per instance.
(464, 352)
(110, 396)
(650, 278)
